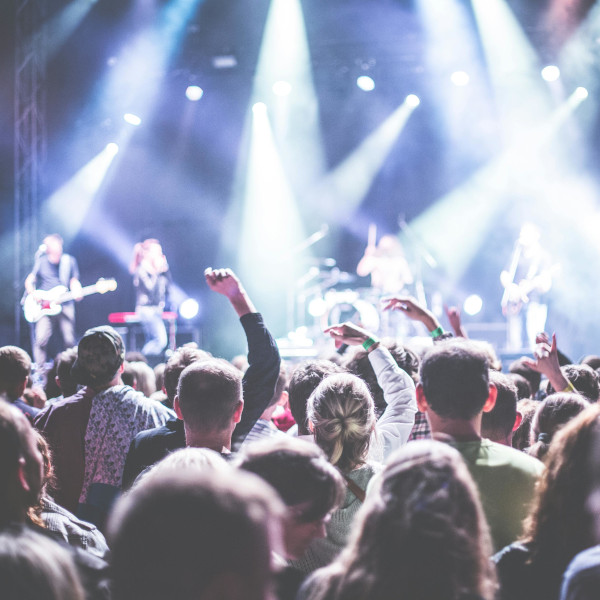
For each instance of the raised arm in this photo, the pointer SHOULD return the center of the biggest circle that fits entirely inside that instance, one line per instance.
(546, 362)
(413, 310)
(263, 355)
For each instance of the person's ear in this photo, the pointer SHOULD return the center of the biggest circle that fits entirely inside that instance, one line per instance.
(518, 420)
(21, 474)
(177, 408)
(237, 415)
(21, 387)
(491, 399)
(421, 400)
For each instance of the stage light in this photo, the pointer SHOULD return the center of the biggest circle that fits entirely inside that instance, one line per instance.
(260, 108)
(317, 307)
(188, 309)
(550, 73)
(412, 100)
(581, 93)
(132, 119)
(282, 88)
(473, 305)
(194, 93)
(365, 83)
(460, 78)
(112, 149)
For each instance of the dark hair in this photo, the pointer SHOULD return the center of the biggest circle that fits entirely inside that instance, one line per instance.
(15, 365)
(553, 413)
(175, 533)
(583, 378)
(209, 393)
(359, 364)
(523, 386)
(64, 362)
(299, 471)
(182, 358)
(455, 379)
(499, 422)
(305, 379)
(421, 533)
(559, 526)
(135, 356)
(592, 361)
(527, 407)
(280, 385)
(342, 413)
(519, 367)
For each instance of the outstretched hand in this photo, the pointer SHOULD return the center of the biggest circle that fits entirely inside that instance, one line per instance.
(226, 282)
(348, 333)
(412, 309)
(546, 362)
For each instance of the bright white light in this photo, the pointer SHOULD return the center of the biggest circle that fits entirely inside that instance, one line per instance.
(194, 93)
(581, 93)
(132, 119)
(550, 73)
(365, 83)
(460, 78)
(412, 100)
(260, 108)
(112, 149)
(473, 304)
(317, 307)
(188, 309)
(282, 88)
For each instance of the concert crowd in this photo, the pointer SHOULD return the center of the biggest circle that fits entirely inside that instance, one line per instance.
(383, 470)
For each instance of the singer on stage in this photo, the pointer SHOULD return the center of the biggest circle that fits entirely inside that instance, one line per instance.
(151, 279)
(53, 269)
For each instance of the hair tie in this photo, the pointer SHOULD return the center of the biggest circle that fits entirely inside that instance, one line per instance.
(544, 438)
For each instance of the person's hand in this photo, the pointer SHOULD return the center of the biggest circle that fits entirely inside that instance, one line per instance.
(546, 362)
(223, 281)
(412, 309)
(453, 314)
(348, 333)
(76, 290)
(542, 338)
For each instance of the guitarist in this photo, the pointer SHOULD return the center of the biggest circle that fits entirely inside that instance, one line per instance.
(53, 268)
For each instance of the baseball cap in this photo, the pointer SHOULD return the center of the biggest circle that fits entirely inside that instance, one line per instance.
(100, 353)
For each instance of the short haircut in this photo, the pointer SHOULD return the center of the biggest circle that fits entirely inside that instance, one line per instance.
(15, 365)
(305, 379)
(359, 364)
(174, 536)
(584, 380)
(209, 393)
(498, 423)
(523, 386)
(455, 379)
(64, 362)
(182, 357)
(299, 471)
(534, 378)
(592, 361)
(280, 385)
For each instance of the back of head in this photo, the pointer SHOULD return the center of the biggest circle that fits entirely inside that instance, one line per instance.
(33, 567)
(592, 361)
(497, 424)
(184, 538)
(523, 386)
(422, 531)
(359, 364)
(584, 379)
(534, 378)
(182, 357)
(305, 379)
(280, 385)
(209, 393)
(455, 379)
(559, 526)
(144, 377)
(553, 413)
(342, 414)
(299, 471)
(15, 365)
(64, 362)
(527, 408)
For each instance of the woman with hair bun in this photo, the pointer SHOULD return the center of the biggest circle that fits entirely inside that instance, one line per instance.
(421, 535)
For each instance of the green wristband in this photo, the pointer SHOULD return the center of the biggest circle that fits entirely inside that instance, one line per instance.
(437, 332)
(369, 342)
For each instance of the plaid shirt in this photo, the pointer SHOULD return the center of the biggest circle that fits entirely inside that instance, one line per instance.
(420, 430)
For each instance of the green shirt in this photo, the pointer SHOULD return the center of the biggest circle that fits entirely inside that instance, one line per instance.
(506, 479)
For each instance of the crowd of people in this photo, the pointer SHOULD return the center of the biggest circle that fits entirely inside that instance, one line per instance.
(383, 471)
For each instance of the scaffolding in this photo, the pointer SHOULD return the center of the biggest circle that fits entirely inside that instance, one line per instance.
(29, 137)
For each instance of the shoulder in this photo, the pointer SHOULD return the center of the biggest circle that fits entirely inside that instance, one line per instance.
(505, 455)
(64, 408)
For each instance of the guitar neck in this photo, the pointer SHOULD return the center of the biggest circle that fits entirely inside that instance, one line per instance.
(85, 291)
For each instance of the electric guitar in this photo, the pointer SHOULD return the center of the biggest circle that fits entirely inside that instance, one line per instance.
(50, 301)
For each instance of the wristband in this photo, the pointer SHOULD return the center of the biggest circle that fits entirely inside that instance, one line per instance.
(369, 342)
(570, 388)
(437, 332)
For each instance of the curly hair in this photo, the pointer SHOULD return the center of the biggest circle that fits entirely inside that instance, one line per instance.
(425, 511)
(342, 413)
